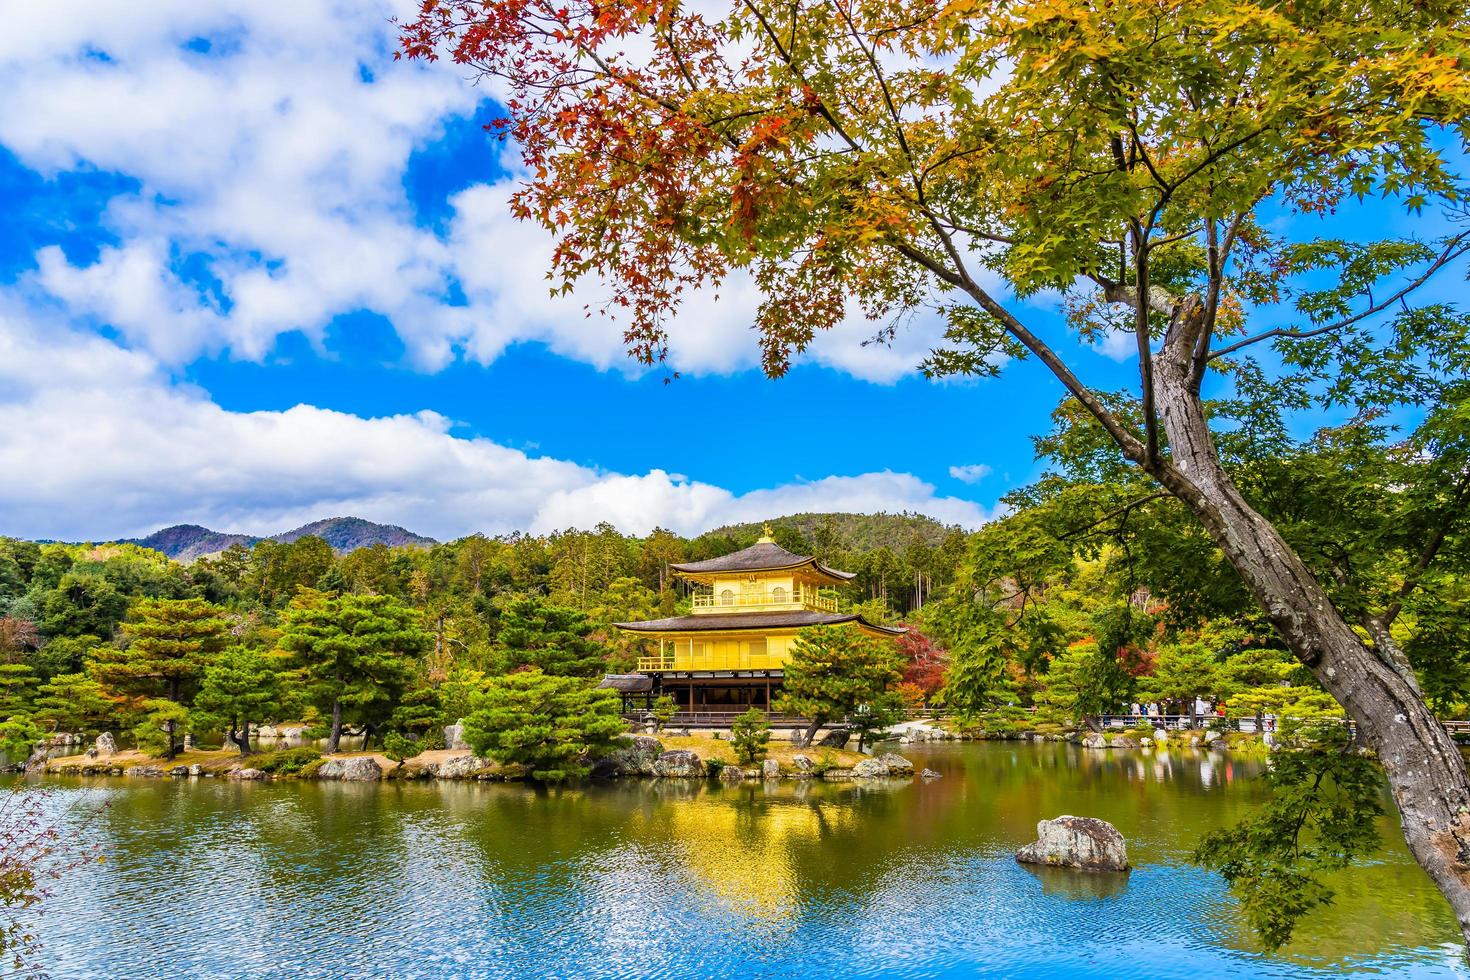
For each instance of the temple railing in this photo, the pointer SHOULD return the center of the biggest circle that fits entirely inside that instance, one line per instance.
(761, 601)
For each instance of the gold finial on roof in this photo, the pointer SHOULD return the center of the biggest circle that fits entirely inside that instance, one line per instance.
(767, 535)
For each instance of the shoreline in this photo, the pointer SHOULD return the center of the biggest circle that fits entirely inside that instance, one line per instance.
(674, 756)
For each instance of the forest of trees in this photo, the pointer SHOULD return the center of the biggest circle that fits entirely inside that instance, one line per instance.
(118, 637)
(1021, 625)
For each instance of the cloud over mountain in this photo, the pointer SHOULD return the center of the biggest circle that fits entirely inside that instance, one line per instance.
(103, 445)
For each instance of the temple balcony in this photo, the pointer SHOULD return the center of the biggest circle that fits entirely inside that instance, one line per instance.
(772, 600)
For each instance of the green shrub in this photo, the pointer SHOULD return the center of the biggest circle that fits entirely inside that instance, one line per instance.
(749, 734)
(824, 763)
(398, 746)
(287, 762)
(714, 767)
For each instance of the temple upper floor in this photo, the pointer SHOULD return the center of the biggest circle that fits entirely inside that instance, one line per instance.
(762, 578)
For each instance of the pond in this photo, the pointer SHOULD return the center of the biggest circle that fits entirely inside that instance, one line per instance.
(209, 878)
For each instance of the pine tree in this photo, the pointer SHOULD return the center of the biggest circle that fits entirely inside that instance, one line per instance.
(554, 639)
(76, 703)
(833, 671)
(168, 643)
(354, 654)
(242, 686)
(17, 689)
(749, 734)
(552, 725)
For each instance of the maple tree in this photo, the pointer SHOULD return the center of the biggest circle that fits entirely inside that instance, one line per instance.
(888, 155)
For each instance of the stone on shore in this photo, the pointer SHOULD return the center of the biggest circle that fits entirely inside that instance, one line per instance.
(731, 774)
(248, 774)
(454, 736)
(678, 764)
(461, 767)
(837, 738)
(149, 771)
(104, 746)
(635, 756)
(771, 769)
(1160, 735)
(1085, 843)
(1124, 742)
(1095, 740)
(356, 769)
(803, 763)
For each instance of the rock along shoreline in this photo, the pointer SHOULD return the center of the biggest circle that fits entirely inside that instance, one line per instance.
(640, 757)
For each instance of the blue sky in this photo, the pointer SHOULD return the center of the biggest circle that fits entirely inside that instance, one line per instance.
(256, 273)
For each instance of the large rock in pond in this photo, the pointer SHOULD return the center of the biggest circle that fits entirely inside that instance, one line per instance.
(897, 764)
(635, 757)
(1077, 842)
(837, 738)
(356, 769)
(678, 764)
(869, 769)
(1095, 740)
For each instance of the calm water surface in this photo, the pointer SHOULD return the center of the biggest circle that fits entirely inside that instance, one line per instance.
(208, 878)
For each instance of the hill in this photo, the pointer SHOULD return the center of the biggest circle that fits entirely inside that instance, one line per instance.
(186, 542)
(847, 532)
(346, 534)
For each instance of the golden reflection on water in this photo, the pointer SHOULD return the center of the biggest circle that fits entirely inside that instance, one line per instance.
(739, 845)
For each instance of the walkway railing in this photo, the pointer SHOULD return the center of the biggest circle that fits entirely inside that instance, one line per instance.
(722, 719)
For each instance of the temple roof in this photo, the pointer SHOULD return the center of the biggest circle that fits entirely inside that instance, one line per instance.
(763, 556)
(627, 683)
(795, 619)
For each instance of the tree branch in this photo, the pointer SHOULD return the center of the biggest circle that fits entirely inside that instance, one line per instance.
(1457, 246)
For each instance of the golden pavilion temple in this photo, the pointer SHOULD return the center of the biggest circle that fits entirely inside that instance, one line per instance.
(727, 654)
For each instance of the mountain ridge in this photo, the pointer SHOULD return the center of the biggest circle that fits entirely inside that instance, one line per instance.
(186, 542)
(847, 531)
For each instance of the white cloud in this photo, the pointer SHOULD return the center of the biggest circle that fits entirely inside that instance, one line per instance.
(99, 444)
(277, 166)
(973, 473)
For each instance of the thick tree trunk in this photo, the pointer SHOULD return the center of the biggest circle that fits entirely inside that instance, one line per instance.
(335, 738)
(1426, 772)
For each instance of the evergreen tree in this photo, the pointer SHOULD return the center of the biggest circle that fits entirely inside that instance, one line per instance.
(833, 670)
(168, 643)
(749, 733)
(552, 725)
(17, 689)
(18, 738)
(76, 703)
(242, 686)
(554, 639)
(355, 656)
